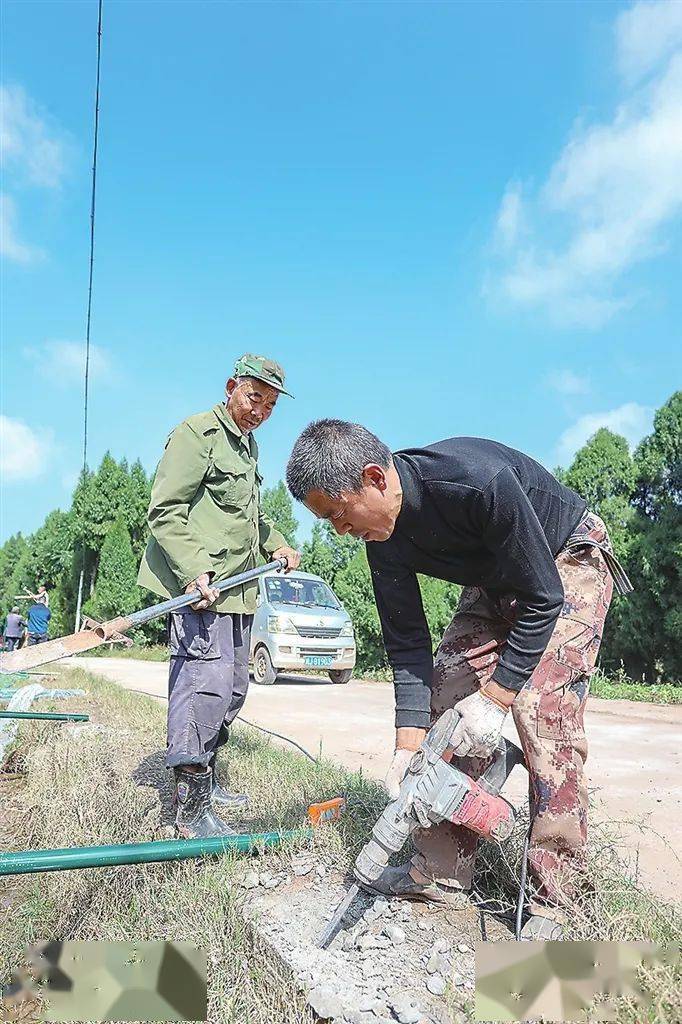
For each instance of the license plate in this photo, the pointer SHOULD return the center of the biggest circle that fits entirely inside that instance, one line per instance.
(318, 662)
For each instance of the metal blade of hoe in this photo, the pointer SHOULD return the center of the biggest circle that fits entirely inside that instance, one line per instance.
(52, 650)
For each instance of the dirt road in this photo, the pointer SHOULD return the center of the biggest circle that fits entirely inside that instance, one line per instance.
(634, 764)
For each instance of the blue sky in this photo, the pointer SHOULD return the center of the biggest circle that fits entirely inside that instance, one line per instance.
(441, 218)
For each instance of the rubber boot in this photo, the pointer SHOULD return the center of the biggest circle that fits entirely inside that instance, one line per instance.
(195, 817)
(221, 797)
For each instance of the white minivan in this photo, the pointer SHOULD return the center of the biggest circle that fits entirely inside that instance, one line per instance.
(300, 624)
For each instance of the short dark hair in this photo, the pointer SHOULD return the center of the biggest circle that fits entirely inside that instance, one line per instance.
(330, 455)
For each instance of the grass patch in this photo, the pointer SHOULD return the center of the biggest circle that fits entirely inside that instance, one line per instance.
(105, 783)
(621, 687)
(141, 652)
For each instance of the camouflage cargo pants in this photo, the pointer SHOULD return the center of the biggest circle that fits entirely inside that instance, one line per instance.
(548, 714)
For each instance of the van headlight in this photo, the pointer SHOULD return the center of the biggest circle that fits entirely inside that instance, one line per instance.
(347, 629)
(280, 624)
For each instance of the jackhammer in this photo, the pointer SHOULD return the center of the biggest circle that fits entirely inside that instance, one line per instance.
(432, 791)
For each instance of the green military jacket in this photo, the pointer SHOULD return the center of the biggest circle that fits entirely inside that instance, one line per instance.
(205, 514)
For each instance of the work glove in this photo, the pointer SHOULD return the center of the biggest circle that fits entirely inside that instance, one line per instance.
(396, 773)
(480, 726)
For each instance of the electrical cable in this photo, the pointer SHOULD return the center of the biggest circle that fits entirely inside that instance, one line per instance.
(253, 725)
(91, 268)
(92, 237)
(279, 736)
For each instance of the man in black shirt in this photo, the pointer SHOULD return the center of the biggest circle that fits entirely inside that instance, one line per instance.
(536, 568)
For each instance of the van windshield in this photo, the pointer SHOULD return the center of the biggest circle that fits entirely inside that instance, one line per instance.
(305, 593)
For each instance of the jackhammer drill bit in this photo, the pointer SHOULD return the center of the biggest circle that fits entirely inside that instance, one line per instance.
(330, 930)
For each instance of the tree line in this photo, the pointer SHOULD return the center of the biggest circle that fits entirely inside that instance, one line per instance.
(638, 494)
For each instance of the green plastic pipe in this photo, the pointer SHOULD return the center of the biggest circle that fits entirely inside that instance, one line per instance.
(30, 861)
(46, 716)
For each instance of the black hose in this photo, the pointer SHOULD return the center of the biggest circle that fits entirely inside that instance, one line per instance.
(522, 885)
(279, 736)
(253, 725)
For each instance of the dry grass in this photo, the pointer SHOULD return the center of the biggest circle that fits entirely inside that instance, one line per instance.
(99, 784)
(614, 909)
(105, 783)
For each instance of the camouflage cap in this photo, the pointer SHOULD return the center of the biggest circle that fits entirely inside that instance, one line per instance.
(263, 369)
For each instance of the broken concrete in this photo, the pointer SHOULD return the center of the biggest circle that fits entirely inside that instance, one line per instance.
(389, 962)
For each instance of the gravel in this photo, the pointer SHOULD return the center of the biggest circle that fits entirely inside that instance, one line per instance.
(325, 1002)
(436, 984)
(405, 1010)
(395, 933)
(388, 964)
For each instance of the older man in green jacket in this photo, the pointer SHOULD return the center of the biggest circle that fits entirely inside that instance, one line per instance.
(206, 524)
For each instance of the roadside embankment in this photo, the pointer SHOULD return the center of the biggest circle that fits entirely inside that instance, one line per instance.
(258, 917)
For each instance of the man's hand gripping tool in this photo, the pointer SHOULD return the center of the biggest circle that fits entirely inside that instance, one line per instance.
(432, 791)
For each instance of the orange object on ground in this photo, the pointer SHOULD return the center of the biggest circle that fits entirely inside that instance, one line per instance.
(328, 810)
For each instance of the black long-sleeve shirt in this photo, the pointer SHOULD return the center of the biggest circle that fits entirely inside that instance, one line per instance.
(478, 513)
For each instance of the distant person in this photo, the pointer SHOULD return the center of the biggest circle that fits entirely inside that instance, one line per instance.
(206, 524)
(41, 596)
(39, 616)
(13, 630)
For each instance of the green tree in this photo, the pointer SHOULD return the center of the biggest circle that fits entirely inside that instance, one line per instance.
(639, 499)
(276, 503)
(353, 587)
(140, 492)
(658, 461)
(440, 601)
(603, 469)
(13, 553)
(327, 554)
(116, 590)
(644, 629)
(645, 632)
(99, 499)
(51, 549)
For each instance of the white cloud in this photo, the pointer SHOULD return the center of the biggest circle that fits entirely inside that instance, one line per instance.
(23, 453)
(631, 420)
(509, 219)
(607, 203)
(31, 146)
(647, 34)
(11, 246)
(63, 362)
(566, 382)
(33, 152)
